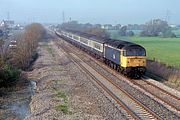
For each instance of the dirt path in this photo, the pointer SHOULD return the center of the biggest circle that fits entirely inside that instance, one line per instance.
(63, 92)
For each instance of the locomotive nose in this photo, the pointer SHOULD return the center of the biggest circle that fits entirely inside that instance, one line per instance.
(134, 62)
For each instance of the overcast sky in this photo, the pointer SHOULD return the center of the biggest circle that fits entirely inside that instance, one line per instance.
(93, 11)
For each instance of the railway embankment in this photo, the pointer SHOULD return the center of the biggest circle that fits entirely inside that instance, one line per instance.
(169, 76)
(63, 92)
(146, 95)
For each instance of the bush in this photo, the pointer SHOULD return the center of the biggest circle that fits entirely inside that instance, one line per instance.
(9, 75)
(168, 33)
(34, 58)
(1, 33)
(130, 33)
(123, 31)
(27, 43)
(166, 72)
(63, 108)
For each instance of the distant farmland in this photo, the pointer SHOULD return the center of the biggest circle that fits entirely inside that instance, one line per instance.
(177, 32)
(165, 50)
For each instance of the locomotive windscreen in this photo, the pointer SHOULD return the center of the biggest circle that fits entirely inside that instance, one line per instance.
(135, 52)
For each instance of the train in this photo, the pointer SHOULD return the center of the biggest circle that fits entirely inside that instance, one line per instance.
(126, 57)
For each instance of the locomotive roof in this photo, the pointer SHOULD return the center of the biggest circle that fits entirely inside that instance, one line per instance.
(112, 42)
(120, 43)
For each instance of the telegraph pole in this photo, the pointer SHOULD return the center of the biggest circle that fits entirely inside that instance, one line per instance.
(63, 17)
(8, 16)
(168, 16)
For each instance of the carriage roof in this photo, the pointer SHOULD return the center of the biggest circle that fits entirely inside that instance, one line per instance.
(112, 42)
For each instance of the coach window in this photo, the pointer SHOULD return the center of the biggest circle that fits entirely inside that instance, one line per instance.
(97, 46)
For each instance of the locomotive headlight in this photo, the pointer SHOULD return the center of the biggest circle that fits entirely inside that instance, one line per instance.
(128, 60)
(144, 61)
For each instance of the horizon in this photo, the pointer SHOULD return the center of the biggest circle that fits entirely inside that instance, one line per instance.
(94, 12)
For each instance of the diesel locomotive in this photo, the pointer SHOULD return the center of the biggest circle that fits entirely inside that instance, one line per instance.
(126, 57)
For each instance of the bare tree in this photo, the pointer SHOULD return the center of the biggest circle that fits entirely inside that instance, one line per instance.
(27, 44)
(1, 53)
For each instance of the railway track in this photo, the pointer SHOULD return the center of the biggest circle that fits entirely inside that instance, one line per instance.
(170, 94)
(115, 73)
(166, 97)
(134, 108)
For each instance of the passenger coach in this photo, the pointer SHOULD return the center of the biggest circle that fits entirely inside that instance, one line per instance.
(126, 57)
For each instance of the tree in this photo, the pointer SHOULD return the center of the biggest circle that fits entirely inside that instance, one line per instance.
(168, 33)
(27, 44)
(85, 28)
(1, 33)
(123, 31)
(8, 74)
(97, 26)
(130, 33)
(156, 27)
(21, 55)
(1, 53)
(72, 25)
(117, 27)
(97, 31)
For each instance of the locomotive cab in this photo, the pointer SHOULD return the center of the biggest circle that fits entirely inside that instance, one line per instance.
(134, 60)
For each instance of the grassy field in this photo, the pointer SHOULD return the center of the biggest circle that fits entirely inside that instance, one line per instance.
(165, 50)
(177, 32)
